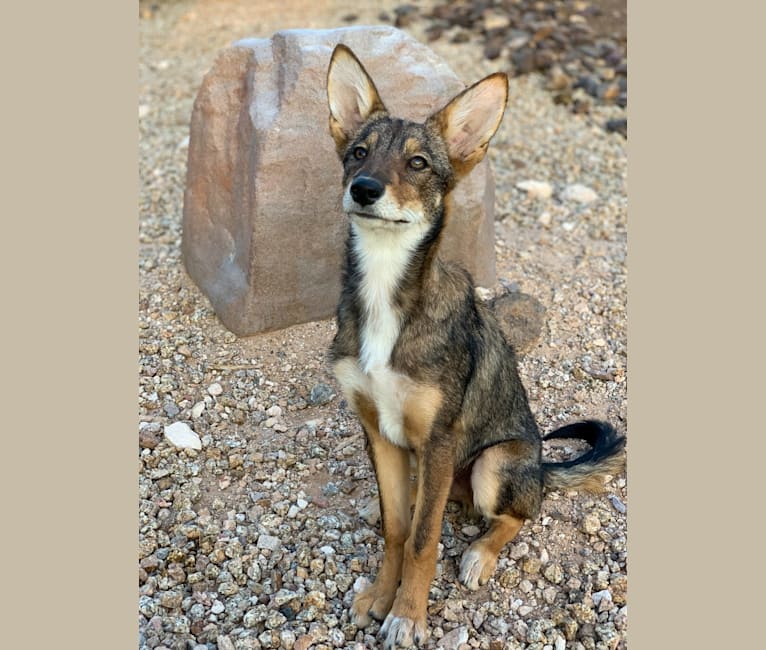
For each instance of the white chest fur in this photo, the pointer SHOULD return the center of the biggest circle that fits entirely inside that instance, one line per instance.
(388, 390)
(383, 255)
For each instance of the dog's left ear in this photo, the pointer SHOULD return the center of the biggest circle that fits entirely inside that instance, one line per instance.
(351, 94)
(470, 120)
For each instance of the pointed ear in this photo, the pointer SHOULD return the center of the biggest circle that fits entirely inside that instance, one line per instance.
(469, 121)
(351, 94)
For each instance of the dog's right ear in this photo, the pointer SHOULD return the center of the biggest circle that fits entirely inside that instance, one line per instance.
(352, 96)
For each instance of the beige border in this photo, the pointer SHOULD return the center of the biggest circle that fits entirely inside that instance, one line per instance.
(696, 386)
(69, 313)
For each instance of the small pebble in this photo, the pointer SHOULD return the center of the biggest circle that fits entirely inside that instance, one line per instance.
(619, 506)
(452, 640)
(536, 189)
(470, 531)
(519, 550)
(269, 542)
(591, 524)
(578, 193)
(321, 394)
(215, 389)
(274, 411)
(197, 410)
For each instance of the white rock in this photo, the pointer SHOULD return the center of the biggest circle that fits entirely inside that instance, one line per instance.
(370, 511)
(496, 21)
(484, 294)
(536, 189)
(270, 542)
(181, 435)
(549, 595)
(215, 389)
(561, 644)
(270, 422)
(598, 596)
(470, 531)
(578, 193)
(602, 600)
(274, 411)
(197, 409)
(360, 584)
(526, 586)
(452, 640)
(519, 550)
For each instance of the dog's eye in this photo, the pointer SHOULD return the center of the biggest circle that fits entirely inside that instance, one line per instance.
(360, 153)
(418, 163)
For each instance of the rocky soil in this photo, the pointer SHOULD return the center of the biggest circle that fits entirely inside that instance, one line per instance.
(259, 536)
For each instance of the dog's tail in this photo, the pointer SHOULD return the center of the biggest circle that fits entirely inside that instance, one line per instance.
(586, 472)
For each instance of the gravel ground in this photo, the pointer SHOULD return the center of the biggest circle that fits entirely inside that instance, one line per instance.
(258, 539)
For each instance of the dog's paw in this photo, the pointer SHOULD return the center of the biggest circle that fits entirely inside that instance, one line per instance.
(371, 603)
(477, 566)
(402, 632)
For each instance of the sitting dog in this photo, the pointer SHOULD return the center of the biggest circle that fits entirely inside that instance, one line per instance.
(424, 365)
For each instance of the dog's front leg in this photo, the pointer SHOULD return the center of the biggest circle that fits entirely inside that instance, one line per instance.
(392, 470)
(406, 625)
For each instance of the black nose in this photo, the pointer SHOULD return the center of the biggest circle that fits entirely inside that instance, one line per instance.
(366, 190)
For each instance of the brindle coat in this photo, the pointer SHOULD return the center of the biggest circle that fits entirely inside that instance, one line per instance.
(423, 364)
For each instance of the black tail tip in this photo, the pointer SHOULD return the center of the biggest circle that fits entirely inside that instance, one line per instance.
(601, 436)
(592, 431)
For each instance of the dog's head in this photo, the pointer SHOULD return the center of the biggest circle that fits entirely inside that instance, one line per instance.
(395, 172)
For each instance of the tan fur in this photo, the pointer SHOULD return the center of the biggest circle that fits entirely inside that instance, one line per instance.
(421, 548)
(420, 408)
(485, 479)
(585, 477)
(394, 489)
(480, 559)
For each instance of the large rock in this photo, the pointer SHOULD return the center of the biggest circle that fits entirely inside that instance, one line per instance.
(263, 230)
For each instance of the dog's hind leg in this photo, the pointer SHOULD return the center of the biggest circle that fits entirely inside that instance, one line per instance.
(479, 561)
(507, 489)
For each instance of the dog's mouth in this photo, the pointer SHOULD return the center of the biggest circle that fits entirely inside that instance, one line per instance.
(375, 217)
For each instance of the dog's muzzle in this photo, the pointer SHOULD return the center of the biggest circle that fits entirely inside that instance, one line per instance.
(365, 190)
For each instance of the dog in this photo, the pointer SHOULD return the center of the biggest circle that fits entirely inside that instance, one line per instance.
(421, 362)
